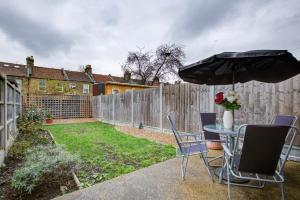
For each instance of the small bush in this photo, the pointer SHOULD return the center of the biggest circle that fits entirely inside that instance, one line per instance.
(42, 162)
(34, 114)
(31, 120)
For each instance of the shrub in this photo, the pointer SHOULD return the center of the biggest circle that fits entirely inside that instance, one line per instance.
(40, 163)
(34, 114)
(31, 120)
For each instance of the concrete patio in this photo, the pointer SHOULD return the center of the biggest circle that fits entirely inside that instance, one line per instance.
(163, 181)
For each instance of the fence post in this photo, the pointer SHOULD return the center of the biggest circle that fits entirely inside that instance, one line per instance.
(160, 107)
(14, 111)
(5, 117)
(132, 122)
(100, 107)
(211, 98)
(113, 107)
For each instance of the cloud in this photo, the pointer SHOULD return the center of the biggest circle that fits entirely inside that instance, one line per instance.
(41, 38)
(211, 28)
(199, 16)
(69, 33)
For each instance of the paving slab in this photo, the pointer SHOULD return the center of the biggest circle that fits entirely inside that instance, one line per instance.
(163, 181)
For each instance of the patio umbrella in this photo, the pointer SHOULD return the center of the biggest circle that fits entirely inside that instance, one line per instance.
(270, 66)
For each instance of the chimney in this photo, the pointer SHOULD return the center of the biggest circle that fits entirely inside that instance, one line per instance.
(127, 76)
(88, 69)
(29, 64)
(156, 81)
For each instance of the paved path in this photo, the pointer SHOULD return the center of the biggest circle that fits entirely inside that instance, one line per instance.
(163, 181)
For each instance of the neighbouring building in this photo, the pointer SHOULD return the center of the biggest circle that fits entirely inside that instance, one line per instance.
(111, 87)
(36, 80)
(121, 84)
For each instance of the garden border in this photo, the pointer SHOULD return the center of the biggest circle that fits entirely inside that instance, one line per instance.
(78, 184)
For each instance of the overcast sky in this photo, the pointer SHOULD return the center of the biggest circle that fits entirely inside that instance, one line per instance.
(71, 33)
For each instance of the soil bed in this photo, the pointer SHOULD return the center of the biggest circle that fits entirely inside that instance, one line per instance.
(51, 187)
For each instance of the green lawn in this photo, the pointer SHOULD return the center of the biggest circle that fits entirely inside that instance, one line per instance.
(106, 152)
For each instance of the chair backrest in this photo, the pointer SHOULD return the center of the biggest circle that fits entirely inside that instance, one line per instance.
(262, 148)
(175, 132)
(285, 120)
(206, 119)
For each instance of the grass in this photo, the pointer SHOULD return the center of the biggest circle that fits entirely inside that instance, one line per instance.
(106, 152)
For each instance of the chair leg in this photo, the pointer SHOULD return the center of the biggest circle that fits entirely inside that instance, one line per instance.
(282, 191)
(228, 180)
(184, 166)
(221, 173)
(204, 158)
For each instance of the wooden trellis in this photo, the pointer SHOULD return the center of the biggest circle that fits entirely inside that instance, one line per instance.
(62, 106)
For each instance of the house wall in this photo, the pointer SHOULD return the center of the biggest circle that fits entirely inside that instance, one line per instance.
(122, 88)
(51, 87)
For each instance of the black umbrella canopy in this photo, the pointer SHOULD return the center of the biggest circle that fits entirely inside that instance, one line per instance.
(270, 66)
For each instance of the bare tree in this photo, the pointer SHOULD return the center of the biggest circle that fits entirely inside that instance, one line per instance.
(168, 59)
(138, 63)
(146, 67)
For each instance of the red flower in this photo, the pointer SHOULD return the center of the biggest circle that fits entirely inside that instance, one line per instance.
(219, 97)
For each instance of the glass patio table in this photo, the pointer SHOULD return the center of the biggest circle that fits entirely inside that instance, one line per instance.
(230, 135)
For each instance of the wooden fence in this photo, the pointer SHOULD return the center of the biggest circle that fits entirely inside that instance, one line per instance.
(62, 106)
(10, 109)
(151, 106)
(260, 103)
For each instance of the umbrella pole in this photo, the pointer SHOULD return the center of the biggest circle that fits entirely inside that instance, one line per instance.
(233, 81)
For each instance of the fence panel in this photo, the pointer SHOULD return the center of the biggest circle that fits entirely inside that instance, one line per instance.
(146, 107)
(62, 106)
(185, 102)
(10, 110)
(123, 107)
(151, 106)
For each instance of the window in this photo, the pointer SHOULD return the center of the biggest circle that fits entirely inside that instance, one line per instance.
(115, 91)
(42, 85)
(72, 85)
(60, 87)
(86, 89)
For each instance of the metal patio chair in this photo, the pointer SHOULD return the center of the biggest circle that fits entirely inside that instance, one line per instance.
(189, 144)
(285, 120)
(206, 119)
(257, 158)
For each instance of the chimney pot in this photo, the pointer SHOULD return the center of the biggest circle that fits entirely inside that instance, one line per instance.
(127, 76)
(88, 69)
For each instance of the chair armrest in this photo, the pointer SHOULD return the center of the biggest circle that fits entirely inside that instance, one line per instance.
(227, 151)
(188, 134)
(193, 142)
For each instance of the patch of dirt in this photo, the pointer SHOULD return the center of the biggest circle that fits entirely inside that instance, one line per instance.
(51, 187)
(72, 121)
(150, 135)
